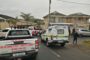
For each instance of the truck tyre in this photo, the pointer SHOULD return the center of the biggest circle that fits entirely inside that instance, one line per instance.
(62, 44)
(34, 56)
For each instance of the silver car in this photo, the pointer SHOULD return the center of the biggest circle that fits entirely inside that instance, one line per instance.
(83, 32)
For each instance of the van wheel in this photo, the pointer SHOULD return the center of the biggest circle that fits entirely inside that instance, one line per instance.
(62, 44)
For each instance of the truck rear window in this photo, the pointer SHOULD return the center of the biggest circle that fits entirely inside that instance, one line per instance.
(60, 31)
(18, 32)
(5, 30)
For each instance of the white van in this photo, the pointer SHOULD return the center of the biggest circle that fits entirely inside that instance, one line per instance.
(56, 35)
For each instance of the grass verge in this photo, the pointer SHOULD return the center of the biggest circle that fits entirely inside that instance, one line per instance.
(87, 43)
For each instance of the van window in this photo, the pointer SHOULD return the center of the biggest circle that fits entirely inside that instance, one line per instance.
(60, 31)
(49, 29)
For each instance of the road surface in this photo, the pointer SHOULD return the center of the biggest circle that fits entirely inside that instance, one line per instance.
(69, 52)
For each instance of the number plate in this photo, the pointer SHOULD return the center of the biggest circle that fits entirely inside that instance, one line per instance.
(19, 54)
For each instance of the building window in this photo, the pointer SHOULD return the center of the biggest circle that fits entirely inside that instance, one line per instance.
(60, 20)
(52, 19)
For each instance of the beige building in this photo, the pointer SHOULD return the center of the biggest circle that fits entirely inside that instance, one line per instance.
(3, 23)
(55, 17)
(76, 19)
(20, 23)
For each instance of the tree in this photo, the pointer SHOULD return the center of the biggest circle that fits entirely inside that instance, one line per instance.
(9, 22)
(38, 22)
(12, 22)
(27, 17)
(16, 18)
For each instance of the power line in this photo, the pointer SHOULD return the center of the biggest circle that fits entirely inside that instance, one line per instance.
(74, 2)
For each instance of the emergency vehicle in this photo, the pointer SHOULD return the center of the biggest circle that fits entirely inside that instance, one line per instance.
(18, 43)
(56, 35)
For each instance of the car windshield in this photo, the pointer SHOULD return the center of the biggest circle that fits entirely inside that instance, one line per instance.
(18, 32)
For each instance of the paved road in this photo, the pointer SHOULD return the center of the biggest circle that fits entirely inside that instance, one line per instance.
(69, 52)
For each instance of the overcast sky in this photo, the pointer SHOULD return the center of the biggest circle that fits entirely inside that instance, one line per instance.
(39, 8)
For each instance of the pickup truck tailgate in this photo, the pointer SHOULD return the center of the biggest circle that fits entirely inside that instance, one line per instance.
(17, 45)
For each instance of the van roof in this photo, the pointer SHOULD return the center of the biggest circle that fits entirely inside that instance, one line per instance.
(56, 26)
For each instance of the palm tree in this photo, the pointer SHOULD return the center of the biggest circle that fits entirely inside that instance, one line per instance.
(38, 22)
(16, 18)
(27, 17)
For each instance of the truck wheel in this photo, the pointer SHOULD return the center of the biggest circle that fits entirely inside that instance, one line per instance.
(62, 44)
(34, 56)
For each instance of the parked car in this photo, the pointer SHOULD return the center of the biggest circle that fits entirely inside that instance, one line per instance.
(83, 32)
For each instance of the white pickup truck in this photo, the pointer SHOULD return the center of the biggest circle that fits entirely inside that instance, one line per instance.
(18, 43)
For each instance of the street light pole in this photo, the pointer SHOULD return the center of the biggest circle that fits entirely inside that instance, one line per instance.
(49, 13)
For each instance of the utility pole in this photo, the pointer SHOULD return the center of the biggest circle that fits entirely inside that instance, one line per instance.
(49, 13)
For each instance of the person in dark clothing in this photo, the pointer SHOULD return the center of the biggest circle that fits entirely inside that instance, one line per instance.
(75, 36)
(73, 31)
(69, 31)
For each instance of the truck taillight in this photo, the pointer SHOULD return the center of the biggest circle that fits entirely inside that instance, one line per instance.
(37, 44)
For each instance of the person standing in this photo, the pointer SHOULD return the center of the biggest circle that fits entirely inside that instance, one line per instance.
(69, 31)
(75, 36)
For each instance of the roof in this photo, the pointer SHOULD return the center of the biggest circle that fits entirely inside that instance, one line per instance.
(55, 13)
(6, 17)
(1, 18)
(78, 14)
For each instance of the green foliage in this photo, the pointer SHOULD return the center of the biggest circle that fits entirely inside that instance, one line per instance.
(12, 22)
(27, 17)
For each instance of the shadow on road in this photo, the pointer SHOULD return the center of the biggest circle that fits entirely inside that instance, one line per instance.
(58, 47)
